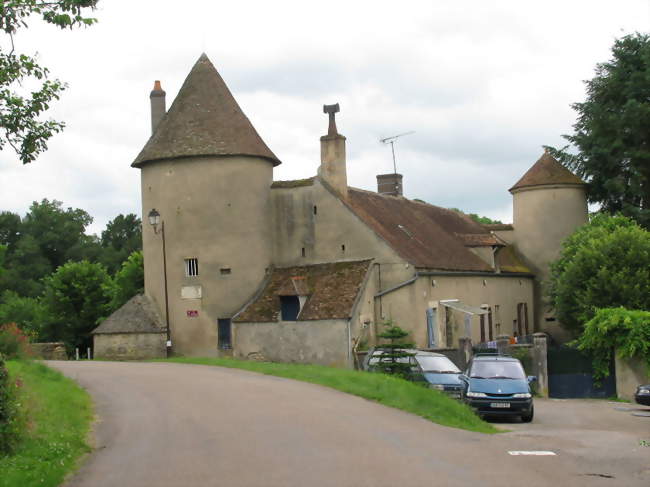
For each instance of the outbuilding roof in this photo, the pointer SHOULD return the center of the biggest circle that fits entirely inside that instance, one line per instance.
(547, 170)
(427, 236)
(204, 120)
(331, 291)
(137, 315)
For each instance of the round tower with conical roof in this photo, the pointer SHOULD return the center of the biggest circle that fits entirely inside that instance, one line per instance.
(549, 203)
(207, 174)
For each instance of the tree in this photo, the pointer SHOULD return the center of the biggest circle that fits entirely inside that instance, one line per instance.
(129, 281)
(27, 313)
(484, 220)
(605, 263)
(612, 132)
(76, 296)
(20, 108)
(395, 359)
(122, 237)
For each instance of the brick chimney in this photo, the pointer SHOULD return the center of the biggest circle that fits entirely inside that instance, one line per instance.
(389, 184)
(158, 108)
(332, 155)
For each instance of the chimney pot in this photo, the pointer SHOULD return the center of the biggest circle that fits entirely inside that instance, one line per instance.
(158, 107)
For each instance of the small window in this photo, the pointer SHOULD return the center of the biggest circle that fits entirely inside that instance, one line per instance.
(225, 271)
(289, 308)
(315, 210)
(192, 267)
(302, 252)
(343, 248)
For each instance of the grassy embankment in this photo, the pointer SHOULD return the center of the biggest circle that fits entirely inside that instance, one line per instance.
(59, 414)
(389, 391)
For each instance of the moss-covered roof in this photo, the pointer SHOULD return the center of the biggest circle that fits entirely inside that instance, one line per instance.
(204, 120)
(137, 315)
(295, 183)
(547, 170)
(331, 291)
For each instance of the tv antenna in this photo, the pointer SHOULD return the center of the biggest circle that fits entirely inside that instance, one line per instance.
(391, 141)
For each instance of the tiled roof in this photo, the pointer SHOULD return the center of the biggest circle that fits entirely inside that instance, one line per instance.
(422, 234)
(479, 240)
(547, 170)
(295, 183)
(138, 315)
(331, 289)
(204, 120)
(498, 226)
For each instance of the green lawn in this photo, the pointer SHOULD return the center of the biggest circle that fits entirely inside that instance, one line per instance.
(59, 414)
(384, 389)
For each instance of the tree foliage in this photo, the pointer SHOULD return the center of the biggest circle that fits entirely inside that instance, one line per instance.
(484, 220)
(27, 313)
(612, 132)
(605, 263)
(122, 237)
(616, 330)
(395, 359)
(76, 296)
(129, 281)
(21, 108)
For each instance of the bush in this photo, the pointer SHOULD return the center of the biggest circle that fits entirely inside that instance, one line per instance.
(11, 425)
(14, 343)
(626, 332)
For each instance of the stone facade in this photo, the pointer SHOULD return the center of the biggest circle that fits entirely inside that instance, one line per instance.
(129, 346)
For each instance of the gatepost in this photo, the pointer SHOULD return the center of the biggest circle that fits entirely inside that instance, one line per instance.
(540, 362)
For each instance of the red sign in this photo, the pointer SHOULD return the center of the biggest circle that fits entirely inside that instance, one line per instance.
(192, 313)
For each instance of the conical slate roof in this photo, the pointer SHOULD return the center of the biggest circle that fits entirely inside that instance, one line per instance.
(547, 170)
(204, 120)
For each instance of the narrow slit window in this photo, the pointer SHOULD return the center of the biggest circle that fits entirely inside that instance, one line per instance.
(192, 267)
(343, 248)
(225, 271)
(302, 251)
(315, 210)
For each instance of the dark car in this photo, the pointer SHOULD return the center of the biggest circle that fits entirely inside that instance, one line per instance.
(435, 369)
(642, 395)
(496, 385)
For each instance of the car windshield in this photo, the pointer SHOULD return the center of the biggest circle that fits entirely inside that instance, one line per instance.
(497, 370)
(441, 365)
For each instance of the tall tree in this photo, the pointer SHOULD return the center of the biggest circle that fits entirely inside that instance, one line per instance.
(21, 108)
(122, 237)
(612, 132)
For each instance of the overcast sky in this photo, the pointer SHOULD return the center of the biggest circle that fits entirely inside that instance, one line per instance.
(483, 84)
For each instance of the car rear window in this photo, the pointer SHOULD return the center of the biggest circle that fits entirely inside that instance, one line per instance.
(497, 369)
(436, 364)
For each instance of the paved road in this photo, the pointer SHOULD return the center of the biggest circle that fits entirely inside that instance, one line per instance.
(164, 424)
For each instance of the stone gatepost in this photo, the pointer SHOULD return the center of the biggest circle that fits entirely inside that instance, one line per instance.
(540, 363)
(465, 351)
(503, 342)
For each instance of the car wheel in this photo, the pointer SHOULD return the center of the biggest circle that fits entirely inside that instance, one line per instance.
(527, 418)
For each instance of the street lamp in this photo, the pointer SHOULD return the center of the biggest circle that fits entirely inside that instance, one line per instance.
(154, 221)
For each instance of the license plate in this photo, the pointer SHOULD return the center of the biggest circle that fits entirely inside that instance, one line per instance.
(500, 405)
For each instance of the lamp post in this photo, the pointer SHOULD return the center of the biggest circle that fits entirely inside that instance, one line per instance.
(154, 221)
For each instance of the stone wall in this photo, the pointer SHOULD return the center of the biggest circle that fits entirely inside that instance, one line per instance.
(630, 373)
(323, 342)
(130, 346)
(49, 351)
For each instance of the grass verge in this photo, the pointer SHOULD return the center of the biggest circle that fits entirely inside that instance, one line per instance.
(389, 391)
(58, 414)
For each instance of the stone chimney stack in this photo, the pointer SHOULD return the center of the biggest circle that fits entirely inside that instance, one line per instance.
(332, 155)
(158, 108)
(390, 184)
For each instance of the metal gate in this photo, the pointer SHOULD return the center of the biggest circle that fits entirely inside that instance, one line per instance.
(570, 375)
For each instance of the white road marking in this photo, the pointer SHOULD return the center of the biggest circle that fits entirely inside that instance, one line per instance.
(539, 453)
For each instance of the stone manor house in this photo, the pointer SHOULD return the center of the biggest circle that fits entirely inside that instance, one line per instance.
(309, 270)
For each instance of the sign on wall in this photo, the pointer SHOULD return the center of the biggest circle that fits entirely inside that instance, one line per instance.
(192, 313)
